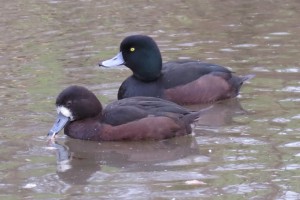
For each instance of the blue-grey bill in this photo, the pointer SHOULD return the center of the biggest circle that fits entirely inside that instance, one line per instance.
(59, 124)
(115, 61)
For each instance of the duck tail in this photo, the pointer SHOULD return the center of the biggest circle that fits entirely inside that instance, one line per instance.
(238, 81)
(195, 115)
(192, 117)
(247, 77)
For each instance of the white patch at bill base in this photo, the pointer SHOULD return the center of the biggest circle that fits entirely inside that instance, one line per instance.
(65, 111)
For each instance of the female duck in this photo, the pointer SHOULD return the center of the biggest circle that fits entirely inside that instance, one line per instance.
(136, 118)
(183, 82)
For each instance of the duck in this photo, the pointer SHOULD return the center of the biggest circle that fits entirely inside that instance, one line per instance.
(183, 82)
(81, 115)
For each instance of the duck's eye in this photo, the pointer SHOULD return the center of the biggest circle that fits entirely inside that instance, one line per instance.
(132, 49)
(69, 103)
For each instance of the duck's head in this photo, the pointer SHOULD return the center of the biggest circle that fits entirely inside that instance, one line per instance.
(141, 54)
(74, 103)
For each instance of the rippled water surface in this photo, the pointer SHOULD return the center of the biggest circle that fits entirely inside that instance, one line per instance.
(245, 148)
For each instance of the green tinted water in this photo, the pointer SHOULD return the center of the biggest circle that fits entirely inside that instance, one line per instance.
(246, 148)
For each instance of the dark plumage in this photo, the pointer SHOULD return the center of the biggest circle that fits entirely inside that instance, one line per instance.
(136, 118)
(183, 82)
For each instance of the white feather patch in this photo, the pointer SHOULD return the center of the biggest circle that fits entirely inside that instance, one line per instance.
(65, 111)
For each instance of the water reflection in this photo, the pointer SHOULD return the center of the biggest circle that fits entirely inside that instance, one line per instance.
(78, 160)
(222, 113)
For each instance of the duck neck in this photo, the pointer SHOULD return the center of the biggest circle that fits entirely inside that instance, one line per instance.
(149, 70)
(148, 78)
(86, 129)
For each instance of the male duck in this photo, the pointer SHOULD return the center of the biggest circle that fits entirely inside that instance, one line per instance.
(183, 82)
(136, 118)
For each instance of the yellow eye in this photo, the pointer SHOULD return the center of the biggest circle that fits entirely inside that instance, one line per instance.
(132, 49)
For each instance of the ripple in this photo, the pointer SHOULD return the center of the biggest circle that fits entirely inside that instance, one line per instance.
(291, 167)
(237, 140)
(239, 158)
(188, 44)
(290, 100)
(245, 45)
(292, 144)
(233, 25)
(290, 195)
(260, 69)
(245, 188)
(233, 167)
(289, 70)
(30, 185)
(184, 58)
(54, 2)
(49, 182)
(279, 33)
(291, 89)
(172, 49)
(186, 161)
(228, 50)
(281, 120)
(296, 117)
(247, 141)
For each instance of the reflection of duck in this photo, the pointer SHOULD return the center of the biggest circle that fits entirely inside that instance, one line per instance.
(183, 82)
(220, 114)
(136, 118)
(78, 160)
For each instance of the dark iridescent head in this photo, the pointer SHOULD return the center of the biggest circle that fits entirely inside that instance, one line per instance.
(141, 54)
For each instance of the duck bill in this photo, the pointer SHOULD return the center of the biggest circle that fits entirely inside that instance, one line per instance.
(115, 61)
(60, 122)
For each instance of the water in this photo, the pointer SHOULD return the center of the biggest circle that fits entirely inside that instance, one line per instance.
(246, 148)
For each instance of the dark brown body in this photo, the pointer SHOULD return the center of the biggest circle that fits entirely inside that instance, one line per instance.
(190, 82)
(136, 118)
(154, 128)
